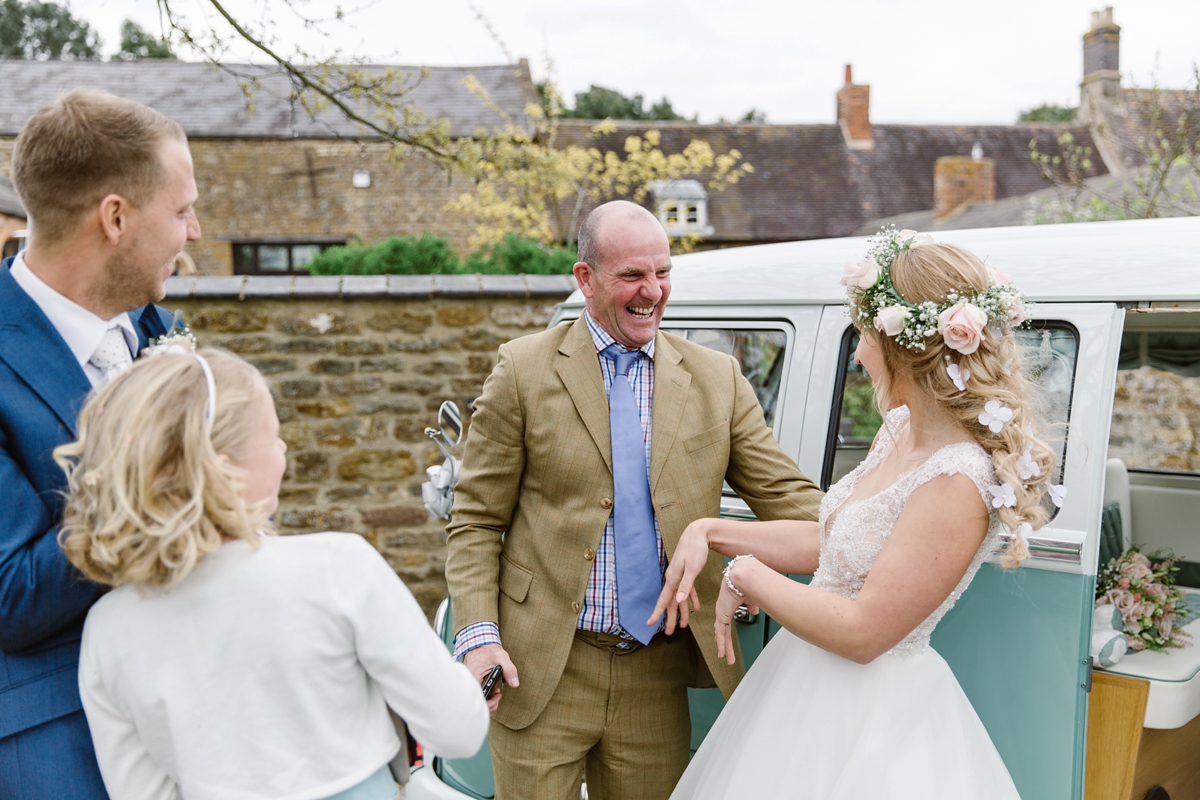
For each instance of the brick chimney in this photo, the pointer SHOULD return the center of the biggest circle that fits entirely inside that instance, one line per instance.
(854, 114)
(958, 180)
(1101, 84)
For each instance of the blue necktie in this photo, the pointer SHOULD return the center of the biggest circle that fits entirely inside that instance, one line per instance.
(639, 578)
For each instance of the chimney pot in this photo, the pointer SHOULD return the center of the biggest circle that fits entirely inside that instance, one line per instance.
(854, 114)
(958, 180)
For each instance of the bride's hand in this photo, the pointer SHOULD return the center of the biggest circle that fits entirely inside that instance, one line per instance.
(691, 554)
(727, 603)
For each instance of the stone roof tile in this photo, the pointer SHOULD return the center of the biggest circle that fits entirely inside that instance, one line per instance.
(209, 103)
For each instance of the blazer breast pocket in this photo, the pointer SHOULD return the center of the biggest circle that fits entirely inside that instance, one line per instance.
(514, 579)
(708, 438)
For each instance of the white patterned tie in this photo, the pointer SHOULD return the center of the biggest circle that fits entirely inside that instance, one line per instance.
(112, 355)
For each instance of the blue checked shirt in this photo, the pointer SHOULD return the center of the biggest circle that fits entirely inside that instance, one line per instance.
(599, 612)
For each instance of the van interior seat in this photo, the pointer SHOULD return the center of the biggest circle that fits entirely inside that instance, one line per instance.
(1174, 676)
(1116, 490)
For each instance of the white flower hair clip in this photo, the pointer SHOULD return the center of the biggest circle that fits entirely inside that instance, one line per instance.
(995, 415)
(1025, 530)
(959, 376)
(1057, 493)
(1003, 496)
(1026, 466)
(91, 477)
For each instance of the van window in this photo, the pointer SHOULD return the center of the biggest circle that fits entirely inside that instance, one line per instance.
(1050, 353)
(1156, 410)
(761, 354)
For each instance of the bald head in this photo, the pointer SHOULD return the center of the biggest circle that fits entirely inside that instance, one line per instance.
(598, 223)
(624, 271)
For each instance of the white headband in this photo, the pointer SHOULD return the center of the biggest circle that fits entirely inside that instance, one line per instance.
(210, 410)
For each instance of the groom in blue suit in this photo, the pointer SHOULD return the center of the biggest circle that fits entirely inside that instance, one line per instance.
(109, 190)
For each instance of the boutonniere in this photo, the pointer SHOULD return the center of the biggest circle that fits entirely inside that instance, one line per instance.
(178, 340)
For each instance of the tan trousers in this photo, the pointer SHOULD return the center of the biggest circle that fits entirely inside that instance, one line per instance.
(621, 715)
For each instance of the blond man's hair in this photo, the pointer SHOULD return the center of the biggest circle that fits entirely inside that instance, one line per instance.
(82, 147)
(149, 492)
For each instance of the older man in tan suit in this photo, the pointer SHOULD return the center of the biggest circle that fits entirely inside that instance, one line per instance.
(562, 527)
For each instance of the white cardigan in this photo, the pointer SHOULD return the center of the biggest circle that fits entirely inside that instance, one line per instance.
(265, 673)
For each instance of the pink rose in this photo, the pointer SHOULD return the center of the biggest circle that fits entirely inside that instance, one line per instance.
(1138, 570)
(1016, 311)
(862, 275)
(961, 327)
(891, 320)
(1000, 277)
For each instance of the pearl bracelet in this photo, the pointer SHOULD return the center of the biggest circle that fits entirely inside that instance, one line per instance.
(728, 582)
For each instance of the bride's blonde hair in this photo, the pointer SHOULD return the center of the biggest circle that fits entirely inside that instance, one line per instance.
(149, 491)
(931, 272)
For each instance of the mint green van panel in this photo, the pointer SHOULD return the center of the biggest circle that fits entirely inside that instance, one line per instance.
(471, 776)
(1017, 643)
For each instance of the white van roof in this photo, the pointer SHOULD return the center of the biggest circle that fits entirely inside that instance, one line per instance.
(1127, 261)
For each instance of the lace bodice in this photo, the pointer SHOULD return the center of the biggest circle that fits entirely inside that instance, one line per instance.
(852, 535)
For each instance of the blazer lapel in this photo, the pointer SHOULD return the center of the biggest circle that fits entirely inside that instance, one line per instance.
(148, 324)
(33, 348)
(671, 383)
(580, 373)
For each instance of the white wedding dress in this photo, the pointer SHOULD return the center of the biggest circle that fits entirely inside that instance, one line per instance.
(806, 723)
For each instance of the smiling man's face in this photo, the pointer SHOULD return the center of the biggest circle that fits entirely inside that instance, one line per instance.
(628, 290)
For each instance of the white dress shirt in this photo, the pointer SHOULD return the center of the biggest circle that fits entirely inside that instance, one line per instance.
(265, 673)
(80, 329)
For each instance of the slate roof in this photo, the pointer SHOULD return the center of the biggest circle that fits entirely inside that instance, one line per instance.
(209, 104)
(1181, 186)
(10, 204)
(807, 184)
(1129, 124)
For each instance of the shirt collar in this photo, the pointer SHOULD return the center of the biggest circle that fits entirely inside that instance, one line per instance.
(80, 329)
(602, 340)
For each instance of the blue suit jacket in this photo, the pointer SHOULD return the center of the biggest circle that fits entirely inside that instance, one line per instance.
(43, 599)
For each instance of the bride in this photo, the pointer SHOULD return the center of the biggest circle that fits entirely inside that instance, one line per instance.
(849, 700)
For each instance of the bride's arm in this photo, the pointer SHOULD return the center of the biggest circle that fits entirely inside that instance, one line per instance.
(924, 558)
(789, 546)
(784, 545)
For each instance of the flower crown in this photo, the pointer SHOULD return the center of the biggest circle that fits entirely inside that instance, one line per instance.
(960, 320)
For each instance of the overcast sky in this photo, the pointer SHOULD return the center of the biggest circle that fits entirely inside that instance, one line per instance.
(927, 61)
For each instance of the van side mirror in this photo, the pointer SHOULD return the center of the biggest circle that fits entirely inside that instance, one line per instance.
(450, 422)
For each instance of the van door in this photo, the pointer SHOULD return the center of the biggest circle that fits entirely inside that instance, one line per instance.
(1018, 640)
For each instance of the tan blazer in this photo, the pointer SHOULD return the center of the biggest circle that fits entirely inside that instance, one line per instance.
(536, 492)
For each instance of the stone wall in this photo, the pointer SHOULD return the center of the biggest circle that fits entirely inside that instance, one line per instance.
(301, 189)
(1156, 417)
(358, 367)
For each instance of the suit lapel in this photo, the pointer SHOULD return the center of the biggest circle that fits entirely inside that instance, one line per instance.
(671, 383)
(580, 373)
(32, 347)
(148, 324)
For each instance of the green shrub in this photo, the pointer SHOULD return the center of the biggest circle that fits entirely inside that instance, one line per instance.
(515, 256)
(432, 255)
(400, 255)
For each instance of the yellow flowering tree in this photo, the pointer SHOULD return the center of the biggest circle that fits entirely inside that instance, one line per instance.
(526, 179)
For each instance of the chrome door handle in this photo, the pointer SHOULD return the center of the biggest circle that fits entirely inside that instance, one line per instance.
(743, 615)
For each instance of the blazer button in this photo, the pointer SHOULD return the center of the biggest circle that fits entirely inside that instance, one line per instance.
(606, 503)
(588, 555)
(575, 607)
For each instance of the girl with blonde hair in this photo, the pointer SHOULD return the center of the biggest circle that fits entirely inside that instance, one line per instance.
(228, 662)
(849, 700)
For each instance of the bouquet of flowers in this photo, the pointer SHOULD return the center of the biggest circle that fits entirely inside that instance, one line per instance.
(1142, 588)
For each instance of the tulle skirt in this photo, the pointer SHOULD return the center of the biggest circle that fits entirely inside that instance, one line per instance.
(809, 724)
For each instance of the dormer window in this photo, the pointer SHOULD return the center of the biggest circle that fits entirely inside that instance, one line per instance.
(681, 207)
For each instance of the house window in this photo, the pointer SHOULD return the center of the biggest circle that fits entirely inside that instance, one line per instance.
(681, 207)
(276, 257)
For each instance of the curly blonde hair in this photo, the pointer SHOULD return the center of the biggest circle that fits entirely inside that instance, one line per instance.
(150, 495)
(931, 272)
